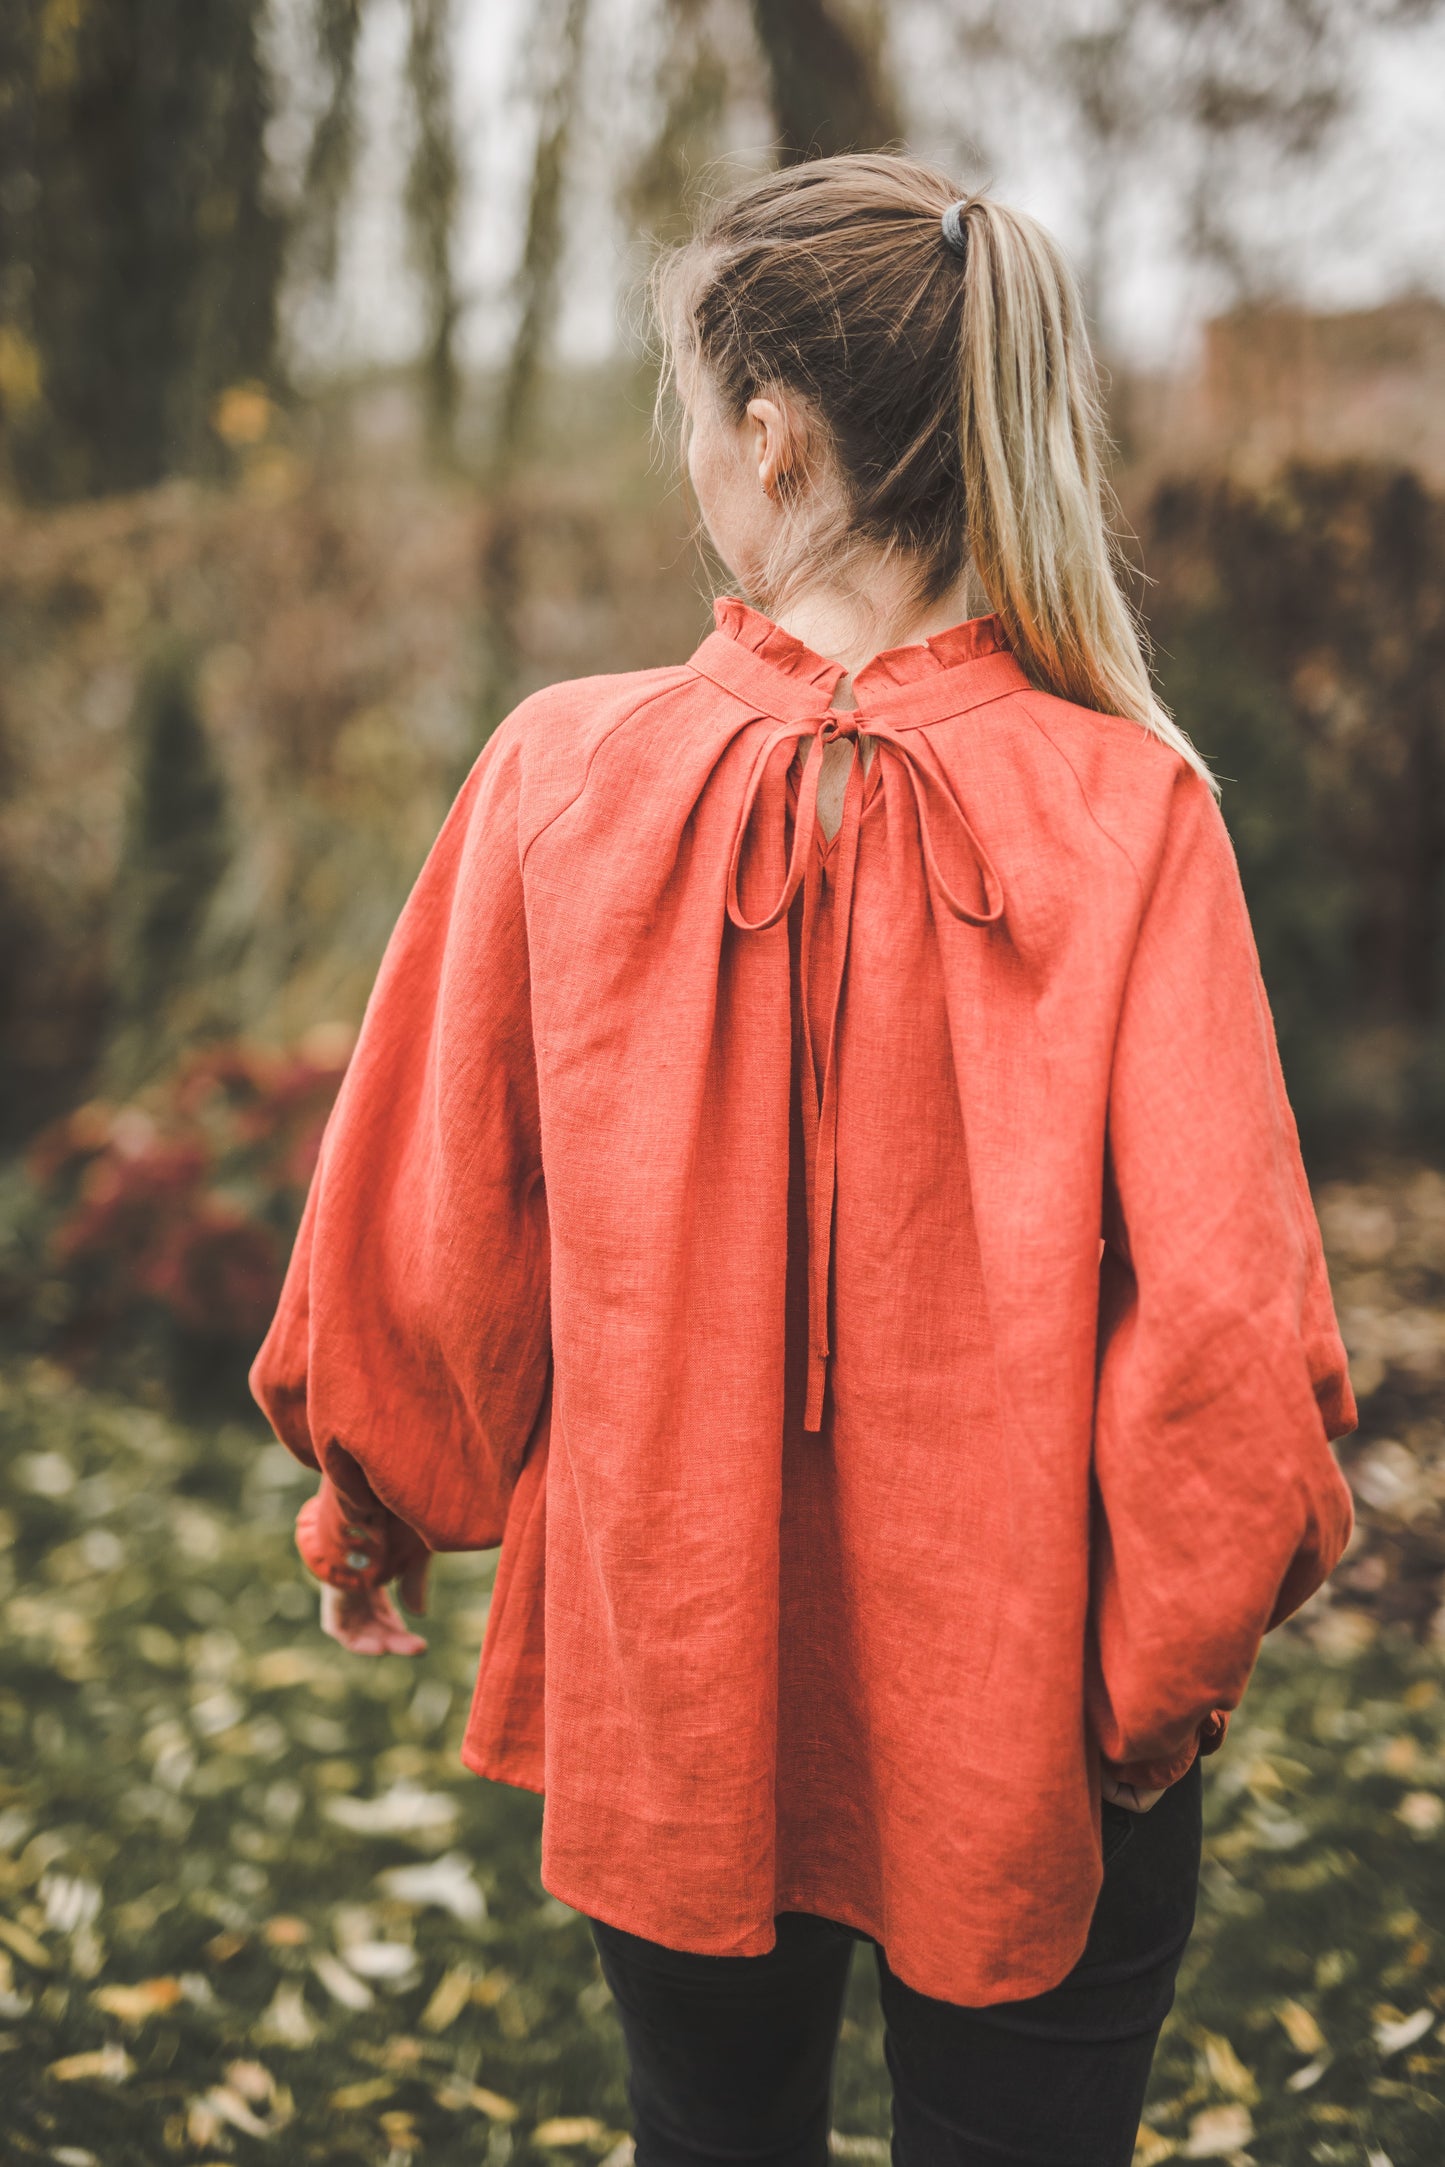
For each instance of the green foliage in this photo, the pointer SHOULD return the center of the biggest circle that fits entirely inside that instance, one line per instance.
(1312, 1994)
(1301, 637)
(1303, 898)
(198, 1887)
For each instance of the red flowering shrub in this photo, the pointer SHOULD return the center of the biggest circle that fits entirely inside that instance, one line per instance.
(178, 1211)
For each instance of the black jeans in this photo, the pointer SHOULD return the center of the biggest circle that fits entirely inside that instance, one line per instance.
(730, 2058)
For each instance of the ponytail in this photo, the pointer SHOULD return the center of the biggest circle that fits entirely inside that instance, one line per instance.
(1031, 435)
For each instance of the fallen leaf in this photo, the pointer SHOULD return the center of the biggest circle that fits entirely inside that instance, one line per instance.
(342, 1985)
(70, 1902)
(1151, 2147)
(1310, 2075)
(401, 2052)
(457, 2093)
(286, 2021)
(109, 2065)
(23, 1944)
(1302, 2026)
(133, 2004)
(253, 2080)
(381, 1959)
(568, 2129)
(1423, 1812)
(449, 1997)
(446, 1882)
(365, 2094)
(284, 1932)
(1392, 2038)
(404, 1810)
(1227, 2072)
(224, 2104)
(490, 1988)
(1218, 2131)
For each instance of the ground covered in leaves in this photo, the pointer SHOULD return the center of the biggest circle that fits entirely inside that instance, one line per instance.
(252, 1909)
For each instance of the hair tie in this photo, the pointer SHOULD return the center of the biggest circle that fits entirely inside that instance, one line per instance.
(955, 233)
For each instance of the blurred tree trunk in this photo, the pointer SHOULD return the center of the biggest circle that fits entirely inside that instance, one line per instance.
(827, 78)
(536, 284)
(431, 201)
(332, 156)
(692, 88)
(149, 257)
(176, 847)
(536, 292)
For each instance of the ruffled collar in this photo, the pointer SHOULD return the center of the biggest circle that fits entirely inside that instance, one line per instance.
(965, 642)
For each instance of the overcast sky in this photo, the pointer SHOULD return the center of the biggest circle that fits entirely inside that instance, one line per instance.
(1367, 224)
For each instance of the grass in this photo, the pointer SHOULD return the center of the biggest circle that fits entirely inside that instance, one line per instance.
(253, 1909)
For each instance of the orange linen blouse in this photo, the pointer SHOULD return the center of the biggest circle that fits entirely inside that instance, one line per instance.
(871, 1293)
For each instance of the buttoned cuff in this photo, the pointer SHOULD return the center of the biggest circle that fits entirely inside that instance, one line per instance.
(349, 1545)
(1158, 1775)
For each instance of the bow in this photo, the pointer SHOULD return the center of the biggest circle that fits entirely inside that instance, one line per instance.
(820, 1097)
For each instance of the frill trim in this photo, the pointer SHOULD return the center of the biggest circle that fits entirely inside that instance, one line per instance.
(906, 665)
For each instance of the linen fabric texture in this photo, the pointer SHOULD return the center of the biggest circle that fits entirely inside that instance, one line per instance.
(829, 1589)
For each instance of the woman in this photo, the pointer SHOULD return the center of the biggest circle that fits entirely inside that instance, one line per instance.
(815, 1184)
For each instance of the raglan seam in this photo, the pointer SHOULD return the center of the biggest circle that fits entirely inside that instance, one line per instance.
(621, 723)
(1088, 804)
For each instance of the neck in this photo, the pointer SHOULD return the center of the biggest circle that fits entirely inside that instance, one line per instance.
(850, 624)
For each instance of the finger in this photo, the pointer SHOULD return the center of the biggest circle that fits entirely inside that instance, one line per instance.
(412, 1586)
(375, 1638)
(1129, 1795)
(365, 1622)
(399, 1637)
(392, 1635)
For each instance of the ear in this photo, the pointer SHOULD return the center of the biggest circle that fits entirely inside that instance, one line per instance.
(777, 442)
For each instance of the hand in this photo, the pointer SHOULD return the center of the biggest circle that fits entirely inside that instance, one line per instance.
(367, 1621)
(1129, 1795)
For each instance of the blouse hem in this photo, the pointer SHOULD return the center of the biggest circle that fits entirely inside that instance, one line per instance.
(494, 1767)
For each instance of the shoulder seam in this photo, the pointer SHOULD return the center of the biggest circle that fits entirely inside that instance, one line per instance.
(622, 720)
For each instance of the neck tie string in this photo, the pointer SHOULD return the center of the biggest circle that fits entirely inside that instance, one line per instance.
(804, 870)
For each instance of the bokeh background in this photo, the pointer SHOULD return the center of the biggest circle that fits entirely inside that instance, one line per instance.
(326, 434)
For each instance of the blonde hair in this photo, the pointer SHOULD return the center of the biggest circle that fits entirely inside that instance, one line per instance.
(957, 391)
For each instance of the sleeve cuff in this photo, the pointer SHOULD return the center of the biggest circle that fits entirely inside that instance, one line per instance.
(1157, 1775)
(349, 1545)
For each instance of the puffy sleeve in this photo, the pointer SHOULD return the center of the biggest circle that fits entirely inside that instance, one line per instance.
(1219, 1505)
(409, 1356)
